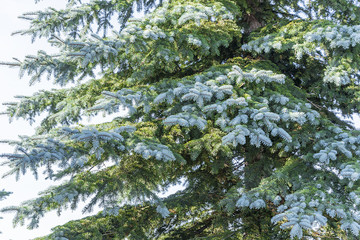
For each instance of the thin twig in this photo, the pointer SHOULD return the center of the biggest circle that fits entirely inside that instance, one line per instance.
(315, 105)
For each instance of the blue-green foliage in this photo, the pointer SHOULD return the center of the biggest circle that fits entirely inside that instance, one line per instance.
(206, 94)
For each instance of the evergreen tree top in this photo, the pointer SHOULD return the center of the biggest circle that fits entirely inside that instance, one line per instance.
(235, 99)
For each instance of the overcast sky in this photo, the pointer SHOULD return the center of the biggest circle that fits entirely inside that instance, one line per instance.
(11, 85)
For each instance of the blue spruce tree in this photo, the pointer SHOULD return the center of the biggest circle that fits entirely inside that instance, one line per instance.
(233, 98)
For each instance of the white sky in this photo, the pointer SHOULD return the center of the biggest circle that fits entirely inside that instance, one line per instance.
(19, 46)
(11, 85)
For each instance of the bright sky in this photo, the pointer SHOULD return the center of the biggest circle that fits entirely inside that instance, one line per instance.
(26, 188)
(11, 85)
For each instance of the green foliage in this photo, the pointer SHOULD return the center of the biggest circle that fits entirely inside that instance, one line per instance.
(234, 99)
(111, 227)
